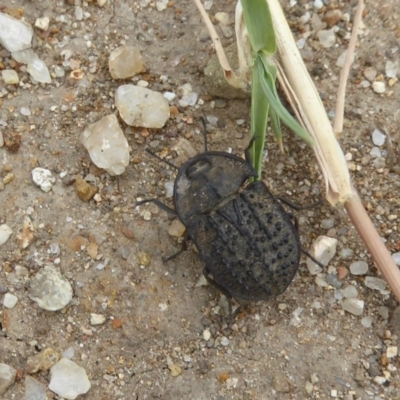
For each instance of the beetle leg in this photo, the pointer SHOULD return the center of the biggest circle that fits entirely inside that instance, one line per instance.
(228, 296)
(181, 250)
(298, 207)
(158, 204)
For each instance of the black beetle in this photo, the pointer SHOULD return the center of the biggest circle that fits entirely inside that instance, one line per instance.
(248, 242)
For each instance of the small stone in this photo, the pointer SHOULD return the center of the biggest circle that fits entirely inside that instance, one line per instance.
(380, 380)
(326, 37)
(42, 23)
(318, 4)
(84, 190)
(321, 282)
(342, 272)
(349, 292)
(101, 3)
(24, 56)
(376, 284)
(50, 289)
(15, 34)
(42, 361)
(353, 306)
(231, 383)
(38, 70)
(359, 268)
(10, 77)
(309, 387)
(170, 96)
(161, 6)
(224, 341)
(43, 178)
(328, 223)
(8, 178)
(206, 335)
(5, 233)
(375, 152)
(107, 145)
(333, 280)
(383, 312)
(366, 322)
(379, 87)
(7, 373)
(175, 370)
(34, 390)
(176, 228)
(378, 138)
(144, 258)
(280, 382)
(222, 18)
(68, 380)
(97, 319)
(26, 234)
(391, 69)
(323, 249)
(125, 62)
(10, 300)
(370, 73)
(395, 256)
(391, 351)
(141, 107)
(169, 189)
(332, 17)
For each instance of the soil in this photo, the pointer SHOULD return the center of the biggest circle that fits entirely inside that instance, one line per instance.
(301, 345)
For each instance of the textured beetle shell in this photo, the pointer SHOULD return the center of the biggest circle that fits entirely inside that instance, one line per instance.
(205, 180)
(248, 243)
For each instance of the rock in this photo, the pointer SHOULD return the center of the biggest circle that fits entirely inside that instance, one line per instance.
(68, 380)
(391, 351)
(26, 56)
(34, 390)
(353, 306)
(206, 335)
(332, 17)
(326, 37)
(395, 256)
(366, 322)
(184, 150)
(5, 233)
(107, 145)
(176, 228)
(222, 18)
(358, 268)
(176, 370)
(42, 361)
(379, 87)
(280, 382)
(323, 249)
(38, 70)
(42, 23)
(144, 258)
(370, 73)
(50, 289)
(376, 284)
(84, 190)
(391, 69)
(141, 107)
(15, 34)
(342, 272)
(43, 178)
(26, 234)
(10, 77)
(10, 300)
(97, 319)
(349, 292)
(125, 62)
(378, 138)
(7, 374)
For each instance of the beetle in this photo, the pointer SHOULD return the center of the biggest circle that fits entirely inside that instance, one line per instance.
(249, 244)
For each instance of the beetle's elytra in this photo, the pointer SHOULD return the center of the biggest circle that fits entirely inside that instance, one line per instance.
(246, 239)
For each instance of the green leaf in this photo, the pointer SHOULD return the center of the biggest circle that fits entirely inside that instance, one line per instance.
(259, 25)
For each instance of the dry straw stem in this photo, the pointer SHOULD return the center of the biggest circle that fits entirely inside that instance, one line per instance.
(327, 150)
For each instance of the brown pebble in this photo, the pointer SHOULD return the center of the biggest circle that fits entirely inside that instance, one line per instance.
(26, 234)
(223, 377)
(127, 232)
(332, 17)
(117, 323)
(84, 190)
(77, 242)
(342, 272)
(12, 141)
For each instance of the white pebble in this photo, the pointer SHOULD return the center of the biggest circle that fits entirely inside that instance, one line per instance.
(224, 341)
(10, 77)
(359, 268)
(379, 87)
(97, 319)
(5, 233)
(323, 249)
(15, 34)
(391, 69)
(42, 23)
(10, 300)
(366, 322)
(170, 96)
(395, 256)
(43, 178)
(327, 37)
(391, 351)
(378, 137)
(353, 306)
(376, 284)
(318, 4)
(206, 335)
(349, 292)
(375, 152)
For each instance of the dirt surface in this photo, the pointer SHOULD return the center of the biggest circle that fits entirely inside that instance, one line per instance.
(302, 345)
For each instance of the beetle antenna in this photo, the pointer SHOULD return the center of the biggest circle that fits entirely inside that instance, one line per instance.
(204, 122)
(161, 159)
